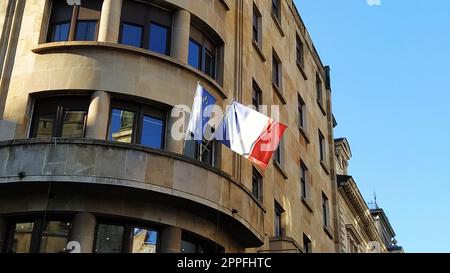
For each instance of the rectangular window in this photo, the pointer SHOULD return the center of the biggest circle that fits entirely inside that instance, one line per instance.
(256, 184)
(139, 124)
(74, 23)
(278, 154)
(23, 233)
(54, 238)
(257, 18)
(204, 152)
(325, 210)
(307, 248)
(304, 181)
(322, 147)
(299, 52)
(256, 96)
(159, 39)
(276, 9)
(301, 113)
(202, 53)
(109, 239)
(276, 71)
(59, 117)
(319, 91)
(278, 220)
(131, 35)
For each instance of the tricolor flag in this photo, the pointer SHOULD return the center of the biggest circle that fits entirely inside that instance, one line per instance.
(250, 133)
(198, 120)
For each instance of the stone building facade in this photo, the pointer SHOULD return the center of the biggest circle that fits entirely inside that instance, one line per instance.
(88, 97)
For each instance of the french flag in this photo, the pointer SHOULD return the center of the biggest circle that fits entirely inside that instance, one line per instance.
(250, 133)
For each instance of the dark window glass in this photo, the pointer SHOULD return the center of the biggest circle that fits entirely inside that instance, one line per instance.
(276, 8)
(144, 240)
(59, 32)
(23, 233)
(109, 239)
(210, 64)
(299, 49)
(325, 210)
(73, 124)
(256, 96)
(195, 51)
(152, 132)
(44, 128)
(86, 31)
(122, 126)
(303, 181)
(159, 39)
(131, 35)
(194, 245)
(256, 25)
(321, 146)
(301, 113)
(278, 224)
(306, 244)
(319, 90)
(204, 152)
(188, 247)
(257, 184)
(54, 237)
(275, 72)
(277, 155)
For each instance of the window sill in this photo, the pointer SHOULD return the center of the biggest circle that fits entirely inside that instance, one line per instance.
(278, 24)
(54, 47)
(304, 134)
(321, 108)
(329, 232)
(278, 92)
(280, 169)
(258, 50)
(307, 204)
(324, 167)
(302, 70)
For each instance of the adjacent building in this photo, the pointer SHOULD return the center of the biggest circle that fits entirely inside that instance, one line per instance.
(89, 99)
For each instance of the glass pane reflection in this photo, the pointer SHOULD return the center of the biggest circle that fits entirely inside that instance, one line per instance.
(60, 32)
(54, 237)
(144, 241)
(131, 35)
(121, 128)
(152, 132)
(73, 124)
(109, 239)
(86, 31)
(22, 238)
(45, 127)
(159, 36)
(194, 54)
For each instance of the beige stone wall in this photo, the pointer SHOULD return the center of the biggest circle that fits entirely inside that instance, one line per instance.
(91, 66)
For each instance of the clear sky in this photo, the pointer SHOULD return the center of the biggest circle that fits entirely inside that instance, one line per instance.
(390, 67)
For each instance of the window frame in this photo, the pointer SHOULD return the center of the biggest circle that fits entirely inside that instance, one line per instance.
(322, 148)
(275, 9)
(300, 52)
(302, 114)
(206, 44)
(277, 71)
(278, 220)
(319, 91)
(304, 182)
(256, 175)
(257, 26)
(307, 244)
(325, 211)
(257, 96)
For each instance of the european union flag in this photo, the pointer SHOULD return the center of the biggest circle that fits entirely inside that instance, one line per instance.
(198, 119)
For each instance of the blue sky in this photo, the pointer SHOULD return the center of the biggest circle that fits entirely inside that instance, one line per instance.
(390, 69)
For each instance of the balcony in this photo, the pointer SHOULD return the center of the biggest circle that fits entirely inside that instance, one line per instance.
(117, 165)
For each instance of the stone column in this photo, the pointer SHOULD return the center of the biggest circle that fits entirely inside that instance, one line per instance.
(180, 35)
(171, 240)
(98, 116)
(110, 21)
(83, 231)
(2, 233)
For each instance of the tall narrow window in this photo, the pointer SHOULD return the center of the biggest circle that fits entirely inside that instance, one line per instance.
(278, 154)
(299, 52)
(59, 117)
(204, 151)
(257, 24)
(256, 96)
(109, 239)
(278, 228)
(122, 125)
(79, 23)
(276, 71)
(301, 113)
(144, 240)
(202, 53)
(256, 184)
(304, 181)
(325, 210)
(319, 90)
(146, 26)
(322, 147)
(276, 11)
(307, 248)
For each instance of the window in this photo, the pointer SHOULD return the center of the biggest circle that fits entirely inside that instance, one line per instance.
(125, 238)
(257, 184)
(301, 113)
(322, 147)
(319, 91)
(276, 71)
(307, 248)
(256, 96)
(194, 244)
(299, 52)
(139, 124)
(278, 232)
(202, 53)
(59, 117)
(257, 26)
(304, 181)
(276, 11)
(278, 154)
(146, 26)
(325, 210)
(35, 235)
(204, 151)
(79, 23)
